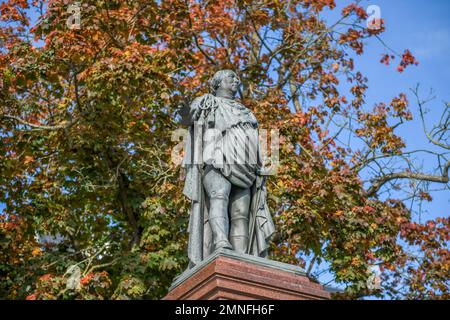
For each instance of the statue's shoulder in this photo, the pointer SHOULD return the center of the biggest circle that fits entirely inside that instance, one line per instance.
(197, 101)
(240, 105)
(201, 99)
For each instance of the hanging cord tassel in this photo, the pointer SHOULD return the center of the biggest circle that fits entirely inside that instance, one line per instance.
(209, 102)
(208, 105)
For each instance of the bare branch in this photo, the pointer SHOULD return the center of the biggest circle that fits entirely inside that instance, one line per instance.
(421, 103)
(444, 178)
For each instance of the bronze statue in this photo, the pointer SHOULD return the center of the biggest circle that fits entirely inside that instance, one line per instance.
(225, 178)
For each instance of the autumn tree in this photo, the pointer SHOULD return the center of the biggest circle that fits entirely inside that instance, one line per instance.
(87, 113)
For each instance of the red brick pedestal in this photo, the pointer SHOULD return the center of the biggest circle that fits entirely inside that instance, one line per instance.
(227, 275)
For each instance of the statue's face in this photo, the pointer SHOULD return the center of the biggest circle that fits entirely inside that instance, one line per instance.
(230, 82)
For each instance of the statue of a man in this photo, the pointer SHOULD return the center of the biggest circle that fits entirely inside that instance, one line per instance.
(225, 178)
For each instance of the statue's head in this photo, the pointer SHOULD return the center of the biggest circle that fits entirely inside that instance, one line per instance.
(225, 81)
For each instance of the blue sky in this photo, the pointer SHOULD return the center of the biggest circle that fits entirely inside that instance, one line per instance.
(424, 28)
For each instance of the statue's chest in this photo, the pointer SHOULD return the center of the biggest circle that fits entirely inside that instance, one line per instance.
(229, 115)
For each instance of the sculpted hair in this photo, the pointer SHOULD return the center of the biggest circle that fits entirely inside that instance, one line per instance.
(214, 83)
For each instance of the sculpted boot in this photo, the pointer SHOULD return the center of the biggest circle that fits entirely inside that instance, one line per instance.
(218, 220)
(239, 232)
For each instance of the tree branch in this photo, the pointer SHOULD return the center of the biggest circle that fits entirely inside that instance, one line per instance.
(444, 178)
(63, 125)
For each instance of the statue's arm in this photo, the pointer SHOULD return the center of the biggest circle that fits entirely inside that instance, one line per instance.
(189, 112)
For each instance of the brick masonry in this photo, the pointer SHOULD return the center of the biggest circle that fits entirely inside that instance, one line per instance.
(226, 277)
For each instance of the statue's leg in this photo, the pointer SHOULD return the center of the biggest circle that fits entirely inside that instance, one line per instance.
(239, 213)
(217, 188)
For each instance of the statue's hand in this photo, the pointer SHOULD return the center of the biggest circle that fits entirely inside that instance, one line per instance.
(263, 171)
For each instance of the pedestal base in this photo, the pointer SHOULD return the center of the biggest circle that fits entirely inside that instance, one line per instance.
(228, 275)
